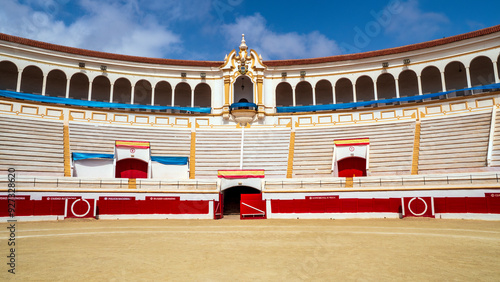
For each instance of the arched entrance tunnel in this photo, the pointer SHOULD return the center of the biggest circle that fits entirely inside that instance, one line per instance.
(232, 198)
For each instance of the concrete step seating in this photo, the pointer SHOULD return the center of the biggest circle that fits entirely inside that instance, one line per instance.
(267, 149)
(100, 138)
(31, 146)
(495, 156)
(454, 143)
(216, 149)
(391, 147)
(263, 149)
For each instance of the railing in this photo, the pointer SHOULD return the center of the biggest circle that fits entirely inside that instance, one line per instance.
(113, 183)
(428, 181)
(392, 101)
(243, 106)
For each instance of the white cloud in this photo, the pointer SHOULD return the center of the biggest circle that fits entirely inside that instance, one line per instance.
(273, 45)
(179, 10)
(117, 27)
(411, 24)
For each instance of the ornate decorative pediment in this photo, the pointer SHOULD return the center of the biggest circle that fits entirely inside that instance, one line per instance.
(243, 62)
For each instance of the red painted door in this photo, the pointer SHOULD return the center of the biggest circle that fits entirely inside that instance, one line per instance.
(131, 168)
(252, 206)
(351, 167)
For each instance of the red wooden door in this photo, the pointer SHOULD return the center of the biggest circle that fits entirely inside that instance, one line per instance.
(252, 207)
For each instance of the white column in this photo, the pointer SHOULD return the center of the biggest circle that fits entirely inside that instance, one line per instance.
(152, 96)
(111, 91)
(44, 84)
(173, 97)
(467, 74)
(68, 82)
(375, 91)
(333, 94)
(90, 91)
(192, 97)
(354, 99)
(495, 72)
(443, 82)
(314, 95)
(19, 78)
(397, 87)
(132, 94)
(293, 96)
(419, 80)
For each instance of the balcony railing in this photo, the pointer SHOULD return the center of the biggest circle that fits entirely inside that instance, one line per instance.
(111, 184)
(382, 182)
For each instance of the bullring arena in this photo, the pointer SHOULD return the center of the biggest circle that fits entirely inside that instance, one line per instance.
(271, 250)
(381, 165)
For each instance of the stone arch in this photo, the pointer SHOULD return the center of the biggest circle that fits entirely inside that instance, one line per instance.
(324, 92)
(122, 91)
(498, 67)
(79, 86)
(408, 83)
(101, 89)
(142, 92)
(431, 80)
(284, 95)
(481, 71)
(386, 86)
(182, 95)
(32, 80)
(303, 94)
(364, 89)
(243, 89)
(163, 94)
(8, 75)
(343, 91)
(202, 95)
(455, 76)
(56, 84)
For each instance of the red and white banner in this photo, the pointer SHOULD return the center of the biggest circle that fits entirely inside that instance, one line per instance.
(241, 173)
(418, 207)
(80, 208)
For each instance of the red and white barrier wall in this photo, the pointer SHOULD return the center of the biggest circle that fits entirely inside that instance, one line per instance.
(54, 206)
(452, 204)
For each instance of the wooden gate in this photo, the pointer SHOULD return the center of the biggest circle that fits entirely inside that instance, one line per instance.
(252, 207)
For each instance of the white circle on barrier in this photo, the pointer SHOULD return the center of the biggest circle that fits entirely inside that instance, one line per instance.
(80, 215)
(419, 214)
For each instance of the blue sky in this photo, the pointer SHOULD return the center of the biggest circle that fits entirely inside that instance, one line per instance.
(209, 29)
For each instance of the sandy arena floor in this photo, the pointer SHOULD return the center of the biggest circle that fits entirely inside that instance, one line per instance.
(255, 250)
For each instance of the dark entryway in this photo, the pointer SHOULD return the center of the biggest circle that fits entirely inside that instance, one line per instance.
(232, 198)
